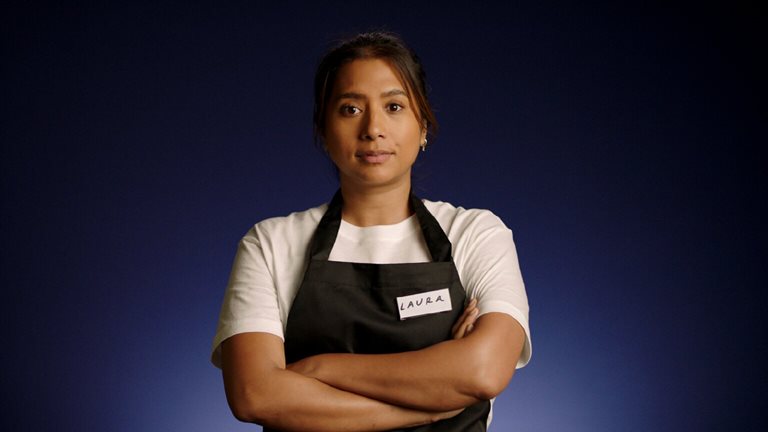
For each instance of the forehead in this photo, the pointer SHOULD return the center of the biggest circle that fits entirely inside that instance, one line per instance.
(367, 75)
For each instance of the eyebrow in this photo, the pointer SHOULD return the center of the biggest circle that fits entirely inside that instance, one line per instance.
(353, 95)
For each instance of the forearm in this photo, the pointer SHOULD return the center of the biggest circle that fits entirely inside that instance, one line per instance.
(260, 390)
(292, 402)
(449, 375)
(418, 379)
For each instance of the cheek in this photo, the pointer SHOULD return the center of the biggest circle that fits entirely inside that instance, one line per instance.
(340, 132)
(337, 152)
(335, 145)
(412, 136)
(332, 150)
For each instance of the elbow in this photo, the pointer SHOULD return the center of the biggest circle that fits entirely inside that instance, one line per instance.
(247, 407)
(491, 375)
(243, 410)
(242, 413)
(492, 352)
(490, 383)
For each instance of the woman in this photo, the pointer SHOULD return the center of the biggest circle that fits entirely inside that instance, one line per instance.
(353, 316)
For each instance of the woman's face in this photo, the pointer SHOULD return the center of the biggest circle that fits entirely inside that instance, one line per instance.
(371, 132)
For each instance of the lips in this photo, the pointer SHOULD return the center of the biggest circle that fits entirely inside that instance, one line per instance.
(374, 156)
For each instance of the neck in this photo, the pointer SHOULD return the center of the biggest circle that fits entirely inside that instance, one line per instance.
(380, 206)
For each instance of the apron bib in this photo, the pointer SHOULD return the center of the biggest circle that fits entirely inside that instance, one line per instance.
(346, 307)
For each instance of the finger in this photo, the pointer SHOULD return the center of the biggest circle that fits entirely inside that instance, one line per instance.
(470, 313)
(460, 332)
(472, 305)
(467, 318)
(472, 317)
(460, 328)
(466, 324)
(462, 317)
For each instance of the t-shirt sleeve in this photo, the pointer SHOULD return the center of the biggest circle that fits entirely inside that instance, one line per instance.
(490, 271)
(250, 301)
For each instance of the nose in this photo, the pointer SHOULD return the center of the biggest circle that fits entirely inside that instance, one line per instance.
(372, 127)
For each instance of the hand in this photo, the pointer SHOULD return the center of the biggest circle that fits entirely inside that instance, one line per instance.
(466, 322)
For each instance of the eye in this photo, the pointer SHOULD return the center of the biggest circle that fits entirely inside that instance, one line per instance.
(349, 110)
(395, 107)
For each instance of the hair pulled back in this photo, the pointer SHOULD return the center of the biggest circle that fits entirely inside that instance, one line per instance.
(374, 45)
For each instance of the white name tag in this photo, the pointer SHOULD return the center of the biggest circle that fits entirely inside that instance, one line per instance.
(424, 303)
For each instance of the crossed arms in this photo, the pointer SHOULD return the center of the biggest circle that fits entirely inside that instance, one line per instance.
(355, 392)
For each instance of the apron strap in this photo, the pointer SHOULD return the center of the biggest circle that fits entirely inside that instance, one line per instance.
(437, 242)
(328, 228)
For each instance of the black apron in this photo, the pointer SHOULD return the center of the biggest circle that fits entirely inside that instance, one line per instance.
(346, 307)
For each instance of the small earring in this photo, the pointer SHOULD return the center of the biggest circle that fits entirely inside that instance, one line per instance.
(424, 145)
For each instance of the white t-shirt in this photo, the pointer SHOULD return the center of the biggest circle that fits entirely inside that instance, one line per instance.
(271, 259)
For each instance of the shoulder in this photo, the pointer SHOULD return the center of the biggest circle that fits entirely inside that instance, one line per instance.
(296, 225)
(475, 234)
(459, 221)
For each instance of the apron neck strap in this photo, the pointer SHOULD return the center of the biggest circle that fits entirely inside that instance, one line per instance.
(328, 228)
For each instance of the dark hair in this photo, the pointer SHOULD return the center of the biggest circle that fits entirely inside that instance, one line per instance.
(379, 45)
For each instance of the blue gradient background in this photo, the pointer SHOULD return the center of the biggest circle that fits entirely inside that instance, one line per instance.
(621, 144)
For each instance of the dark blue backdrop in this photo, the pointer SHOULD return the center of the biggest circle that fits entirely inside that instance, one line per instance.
(139, 143)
